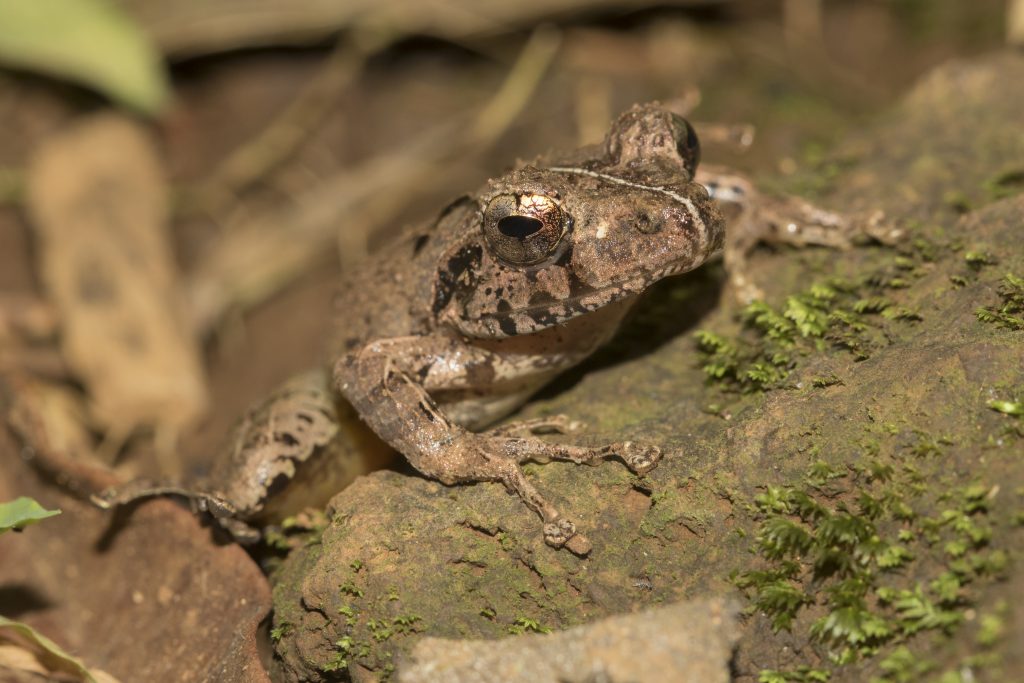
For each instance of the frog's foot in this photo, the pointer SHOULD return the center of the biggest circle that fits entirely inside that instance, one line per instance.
(639, 458)
(220, 509)
(558, 531)
(491, 457)
(562, 533)
(550, 424)
(798, 223)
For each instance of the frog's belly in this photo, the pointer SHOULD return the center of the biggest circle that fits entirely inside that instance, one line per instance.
(476, 412)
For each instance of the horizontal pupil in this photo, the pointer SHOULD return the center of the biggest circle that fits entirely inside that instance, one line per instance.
(519, 227)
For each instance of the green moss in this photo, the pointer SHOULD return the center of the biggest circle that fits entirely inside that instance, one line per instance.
(903, 666)
(835, 314)
(1009, 313)
(527, 625)
(803, 674)
(992, 627)
(349, 588)
(1006, 183)
(838, 547)
(1015, 408)
(976, 260)
(281, 630)
(349, 613)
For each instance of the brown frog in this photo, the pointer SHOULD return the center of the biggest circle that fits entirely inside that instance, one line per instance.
(456, 325)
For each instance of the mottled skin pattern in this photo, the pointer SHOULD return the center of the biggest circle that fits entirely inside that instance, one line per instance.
(458, 323)
(456, 330)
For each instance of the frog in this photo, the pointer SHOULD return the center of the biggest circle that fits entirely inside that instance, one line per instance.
(457, 324)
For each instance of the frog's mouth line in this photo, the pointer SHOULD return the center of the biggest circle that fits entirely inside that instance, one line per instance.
(601, 296)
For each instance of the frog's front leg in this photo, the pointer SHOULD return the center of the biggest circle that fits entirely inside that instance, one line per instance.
(753, 218)
(387, 382)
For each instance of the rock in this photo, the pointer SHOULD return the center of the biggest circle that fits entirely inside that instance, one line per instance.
(686, 642)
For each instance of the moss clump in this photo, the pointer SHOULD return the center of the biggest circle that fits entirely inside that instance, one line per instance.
(366, 623)
(838, 550)
(526, 625)
(834, 314)
(1009, 313)
(802, 674)
(1004, 184)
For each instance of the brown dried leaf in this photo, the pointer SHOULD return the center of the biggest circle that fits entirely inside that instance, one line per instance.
(147, 594)
(99, 205)
(33, 652)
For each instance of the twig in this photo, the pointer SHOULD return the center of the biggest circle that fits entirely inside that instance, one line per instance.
(279, 140)
(258, 258)
(519, 86)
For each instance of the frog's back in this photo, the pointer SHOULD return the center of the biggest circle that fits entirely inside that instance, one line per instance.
(392, 293)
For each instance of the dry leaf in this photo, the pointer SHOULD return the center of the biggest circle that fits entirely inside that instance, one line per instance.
(98, 202)
(34, 652)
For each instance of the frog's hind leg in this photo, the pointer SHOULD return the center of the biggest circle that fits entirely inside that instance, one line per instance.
(640, 458)
(755, 218)
(549, 424)
(558, 530)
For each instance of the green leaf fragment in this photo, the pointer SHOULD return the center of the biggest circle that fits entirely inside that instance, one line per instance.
(89, 42)
(1007, 407)
(21, 512)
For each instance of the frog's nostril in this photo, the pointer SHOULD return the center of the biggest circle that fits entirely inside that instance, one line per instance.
(519, 227)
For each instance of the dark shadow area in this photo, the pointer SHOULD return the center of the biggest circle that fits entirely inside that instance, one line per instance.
(19, 599)
(672, 308)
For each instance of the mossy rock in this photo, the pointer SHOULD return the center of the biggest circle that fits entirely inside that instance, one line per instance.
(862, 485)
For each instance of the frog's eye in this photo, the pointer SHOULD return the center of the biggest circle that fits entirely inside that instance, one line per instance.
(525, 229)
(687, 144)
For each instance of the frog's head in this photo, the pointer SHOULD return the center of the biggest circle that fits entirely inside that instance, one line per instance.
(554, 242)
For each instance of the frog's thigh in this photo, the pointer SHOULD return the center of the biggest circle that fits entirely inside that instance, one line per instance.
(556, 424)
(303, 435)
